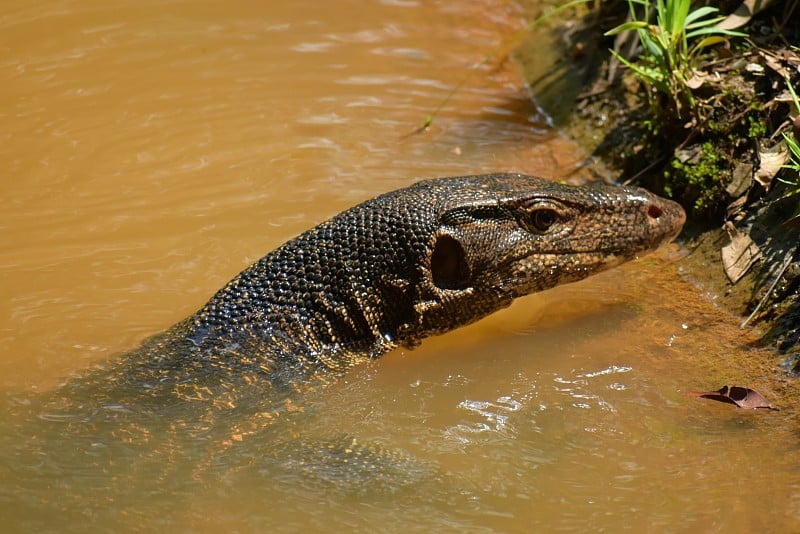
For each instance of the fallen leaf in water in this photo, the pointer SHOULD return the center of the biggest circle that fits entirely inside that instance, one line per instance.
(741, 397)
(739, 254)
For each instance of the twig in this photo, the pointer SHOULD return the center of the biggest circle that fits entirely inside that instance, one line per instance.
(787, 260)
(641, 172)
(591, 94)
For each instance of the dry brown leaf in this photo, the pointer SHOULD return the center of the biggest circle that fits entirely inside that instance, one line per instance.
(739, 254)
(783, 61)
(697, 80)
(743, 14)
(742, 397)
(735, 210)
(741, 181)
(770, 162)
(690, 155)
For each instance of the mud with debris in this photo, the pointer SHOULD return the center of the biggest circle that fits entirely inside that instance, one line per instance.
(725, 165)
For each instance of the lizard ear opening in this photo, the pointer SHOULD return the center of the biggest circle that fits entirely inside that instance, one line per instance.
(449, 267)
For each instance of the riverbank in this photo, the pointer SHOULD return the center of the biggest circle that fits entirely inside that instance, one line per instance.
(743, 232)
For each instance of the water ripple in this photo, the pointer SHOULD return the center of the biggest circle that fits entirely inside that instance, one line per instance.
(495, 415)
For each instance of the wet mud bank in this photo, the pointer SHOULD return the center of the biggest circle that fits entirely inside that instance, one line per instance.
(725, 164)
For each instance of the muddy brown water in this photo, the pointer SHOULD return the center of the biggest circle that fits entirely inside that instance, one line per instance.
(152, 150)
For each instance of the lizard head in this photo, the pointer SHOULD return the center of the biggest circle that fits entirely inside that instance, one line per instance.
(506, 236)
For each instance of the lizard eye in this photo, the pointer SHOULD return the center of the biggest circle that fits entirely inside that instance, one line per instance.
(540, 220)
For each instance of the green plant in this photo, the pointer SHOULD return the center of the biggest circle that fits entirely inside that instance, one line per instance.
(794, 156)
(794, 163)
(756, 128)
(670, 49)
(699, 181)
(791, 141)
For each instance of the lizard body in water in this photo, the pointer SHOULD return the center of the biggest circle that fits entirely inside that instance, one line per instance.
(389, 272)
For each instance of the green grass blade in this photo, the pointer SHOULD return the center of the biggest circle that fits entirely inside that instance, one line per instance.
(699, 13)
(674, 15)
(716, 31)
(794, 98)
(651, 76)
(628, 26)
(704, 43)
(556, 11)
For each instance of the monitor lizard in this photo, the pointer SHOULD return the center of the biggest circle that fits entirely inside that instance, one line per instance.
(230, 383)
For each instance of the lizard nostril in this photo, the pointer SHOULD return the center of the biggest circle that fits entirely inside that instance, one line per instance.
(654, 211)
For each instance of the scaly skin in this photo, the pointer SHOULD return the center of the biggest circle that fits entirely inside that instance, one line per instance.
(391, 271)
(226, 388)
(430, 258)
